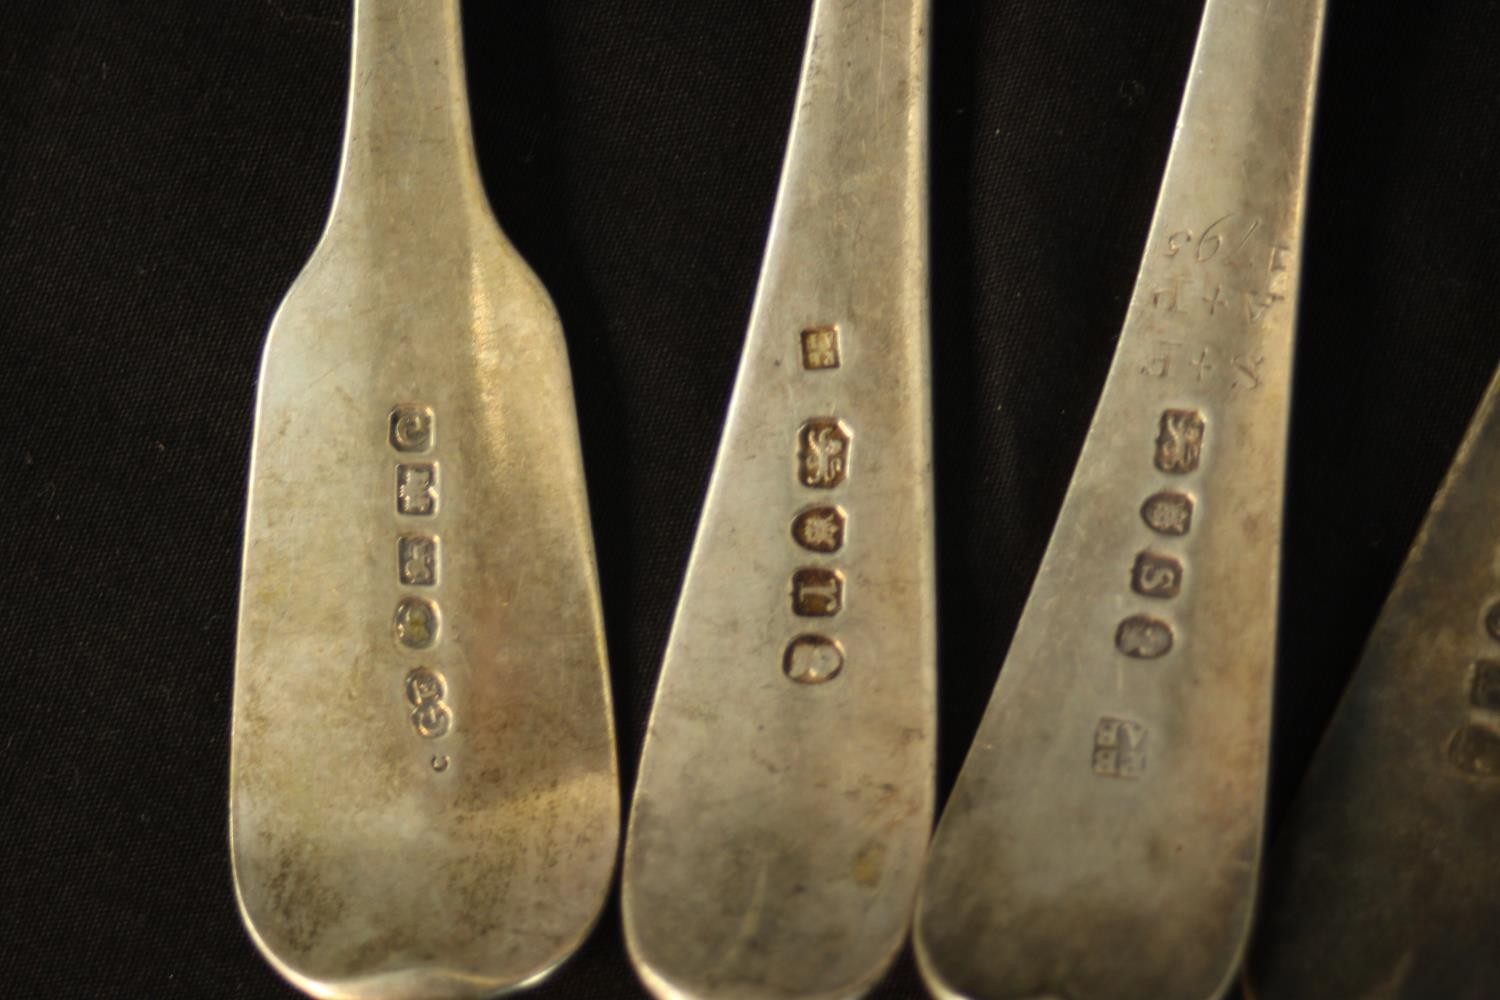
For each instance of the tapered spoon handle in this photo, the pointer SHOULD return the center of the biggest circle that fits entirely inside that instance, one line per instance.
(786, 783)
(423, 790)
(1385, 881)
(1103, 839)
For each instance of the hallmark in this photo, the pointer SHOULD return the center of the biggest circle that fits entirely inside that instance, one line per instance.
(1475, 749)
(416, 489)
(430, 717)
(823, 446)
(820, 529)
(1168, 513)
(1143, 637)
(813, 659)
(417, 557)
(1179, 445)
(415, 622)
(1119, 748)
(1155, 575)
(1484, 691)
(411, 428)
(820, 348)
(817, 593)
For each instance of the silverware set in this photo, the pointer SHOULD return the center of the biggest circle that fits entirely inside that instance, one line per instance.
(424, 793)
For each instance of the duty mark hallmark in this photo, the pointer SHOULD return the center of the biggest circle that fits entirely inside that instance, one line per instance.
(415, 623)
(813, 659)
(1142, 637)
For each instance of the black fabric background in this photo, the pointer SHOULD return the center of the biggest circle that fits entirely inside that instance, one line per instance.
(164, 171)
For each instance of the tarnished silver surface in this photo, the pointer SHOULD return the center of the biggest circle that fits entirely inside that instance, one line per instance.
(423, 799)
(1385, 881)
(786, 786)
(1103, 839)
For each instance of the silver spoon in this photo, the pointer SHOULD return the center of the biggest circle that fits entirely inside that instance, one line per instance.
(423, 798)
(1103, 838)
(1385, 882)
(786, 783)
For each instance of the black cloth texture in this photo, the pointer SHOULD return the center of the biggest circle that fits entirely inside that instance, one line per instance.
(166, 167)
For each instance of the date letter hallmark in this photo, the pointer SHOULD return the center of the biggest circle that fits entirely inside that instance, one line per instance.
(1142, 637)
(812, 659)
(430, 715)
(823, 446)
(417, 557)
(411, 428)
(1168, 513)
(1179, 444)
(416, 489)
(820, 529)
(820, 348)
(1119, 748)
(1155, 575)
(817, 593)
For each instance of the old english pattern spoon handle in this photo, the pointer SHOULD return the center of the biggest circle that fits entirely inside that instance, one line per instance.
(1103, 839)
(1386, 878)
(423, 799)
(786, 786)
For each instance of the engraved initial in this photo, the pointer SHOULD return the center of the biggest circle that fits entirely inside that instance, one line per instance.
(1179, 444)
(812, 659)
(823, 446)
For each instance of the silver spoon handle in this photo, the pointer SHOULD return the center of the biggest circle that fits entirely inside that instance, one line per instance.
(786, 783)
(1103, 838)
(1384, 881)
(423, 791)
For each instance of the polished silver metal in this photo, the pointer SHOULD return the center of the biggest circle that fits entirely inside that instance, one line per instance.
(1103, 838)
(786, 784)
(1385, 880)
(424, 796)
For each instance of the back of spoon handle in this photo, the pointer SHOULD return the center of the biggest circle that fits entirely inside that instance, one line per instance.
(786, 783)
(423, 789)
(1103, 838)
(1385, 881)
